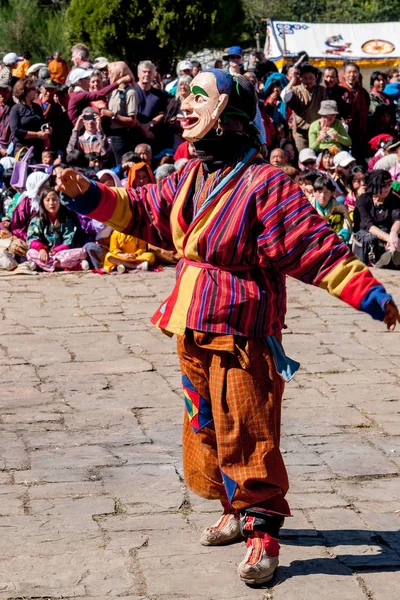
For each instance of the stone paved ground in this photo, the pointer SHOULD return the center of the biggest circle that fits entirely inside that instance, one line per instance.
(92, 499)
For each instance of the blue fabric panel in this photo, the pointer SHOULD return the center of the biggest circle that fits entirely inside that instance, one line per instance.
(374, 302)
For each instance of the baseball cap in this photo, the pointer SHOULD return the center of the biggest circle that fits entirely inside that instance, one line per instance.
(343, 159)
(78, 74)
(100, 62)
(233, 51)
(184, 65)
(307, 154)
(11, 58)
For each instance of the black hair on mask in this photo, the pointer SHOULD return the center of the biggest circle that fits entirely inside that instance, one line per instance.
(242, 102)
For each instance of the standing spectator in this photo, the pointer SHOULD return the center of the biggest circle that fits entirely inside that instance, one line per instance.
(58, 68)
(393, 75)
(53, 114)
(305, 101)
(377, 96)
(263, 66)
(10, 62)
(234, 57)
(328, 131)
(6, 103)
(96, 83)
(196, 68)
(122, 110)
(152, 102)
(173, 112)
(293, 74)
(184, 67)
(20, 71)
(33, 71)
(357, 100)
(335, 91)
(26, 119)
(80, 56)
(93, 140)
(101, 64)
(80, 97)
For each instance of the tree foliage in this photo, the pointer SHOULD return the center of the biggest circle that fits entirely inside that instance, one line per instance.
(134, 30)
(32, 25)
(162, 29)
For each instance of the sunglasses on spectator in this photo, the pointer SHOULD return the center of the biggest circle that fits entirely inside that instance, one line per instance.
(309, 163)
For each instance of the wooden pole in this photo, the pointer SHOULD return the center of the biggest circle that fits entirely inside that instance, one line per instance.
(284, 46)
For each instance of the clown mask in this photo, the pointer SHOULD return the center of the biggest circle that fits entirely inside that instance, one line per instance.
(209, 95)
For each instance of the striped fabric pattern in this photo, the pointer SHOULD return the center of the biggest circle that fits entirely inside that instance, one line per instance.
(261, 220)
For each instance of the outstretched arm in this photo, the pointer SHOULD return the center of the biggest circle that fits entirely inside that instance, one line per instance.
(144, 212)
(300, 243)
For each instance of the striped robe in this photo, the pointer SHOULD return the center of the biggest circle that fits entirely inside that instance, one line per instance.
(254, 233)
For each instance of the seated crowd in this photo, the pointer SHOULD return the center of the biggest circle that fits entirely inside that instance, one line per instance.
(339, 142)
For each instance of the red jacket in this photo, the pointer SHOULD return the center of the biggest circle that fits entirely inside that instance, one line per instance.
(79, 100)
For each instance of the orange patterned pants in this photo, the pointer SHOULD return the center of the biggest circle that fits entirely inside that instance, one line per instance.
(232, 420)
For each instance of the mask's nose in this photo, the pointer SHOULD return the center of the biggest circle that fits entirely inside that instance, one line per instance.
(185, 106)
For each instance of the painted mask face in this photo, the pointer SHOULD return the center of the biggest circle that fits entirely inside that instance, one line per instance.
(203, 107)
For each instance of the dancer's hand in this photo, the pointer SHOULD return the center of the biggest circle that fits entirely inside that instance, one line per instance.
(72, 183)
(392, 315)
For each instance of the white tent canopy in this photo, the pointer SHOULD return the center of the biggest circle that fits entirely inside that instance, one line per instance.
(324, 42)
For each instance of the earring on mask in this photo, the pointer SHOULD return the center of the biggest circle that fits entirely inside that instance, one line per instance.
(219, 130)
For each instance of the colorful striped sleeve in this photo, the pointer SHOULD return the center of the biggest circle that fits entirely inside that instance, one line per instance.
(300, 243)
(143, 213)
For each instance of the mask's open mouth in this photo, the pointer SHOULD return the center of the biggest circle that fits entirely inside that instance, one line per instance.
(189, 121)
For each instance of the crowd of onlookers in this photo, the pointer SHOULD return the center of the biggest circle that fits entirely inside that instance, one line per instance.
(340, 142)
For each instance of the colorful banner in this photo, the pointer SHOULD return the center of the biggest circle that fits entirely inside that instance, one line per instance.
(324, 42)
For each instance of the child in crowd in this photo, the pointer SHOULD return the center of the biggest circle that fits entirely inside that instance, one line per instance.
(109, 178)
(140, 174)
(357, 187)
(95, 162)
(48, 157)
(306, 181)
(51, 236)
(326, 205)
(127, 253)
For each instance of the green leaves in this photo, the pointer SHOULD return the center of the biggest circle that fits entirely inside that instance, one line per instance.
(159, 29)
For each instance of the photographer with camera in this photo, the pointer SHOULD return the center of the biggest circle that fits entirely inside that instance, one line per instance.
(26, 119)
(93, 139)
